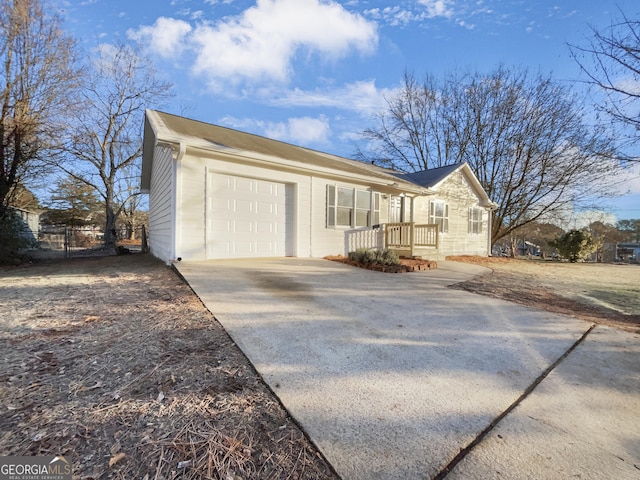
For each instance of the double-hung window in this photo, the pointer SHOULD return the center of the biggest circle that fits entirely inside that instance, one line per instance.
(439, 214)
(475, 220)
(350, 207)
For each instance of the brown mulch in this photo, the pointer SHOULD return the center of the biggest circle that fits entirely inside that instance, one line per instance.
(114, 363)
(406, 264)
(517, 281)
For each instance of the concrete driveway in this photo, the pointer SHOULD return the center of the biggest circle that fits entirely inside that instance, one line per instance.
(395, 376)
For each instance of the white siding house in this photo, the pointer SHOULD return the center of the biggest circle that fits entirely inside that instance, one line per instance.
(220, 193)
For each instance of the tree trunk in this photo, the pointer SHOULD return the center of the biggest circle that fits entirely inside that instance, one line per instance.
(131, 224)
(110, 234)
(514, 246)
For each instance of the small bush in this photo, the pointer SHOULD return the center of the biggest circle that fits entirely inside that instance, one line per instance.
(387, 257)
(379, 257)
(362, 255)
(575, 245)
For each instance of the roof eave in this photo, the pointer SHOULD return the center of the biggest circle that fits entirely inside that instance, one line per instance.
(390, 183)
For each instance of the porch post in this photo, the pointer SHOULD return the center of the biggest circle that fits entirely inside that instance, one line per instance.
(412, 228)
(489, 233)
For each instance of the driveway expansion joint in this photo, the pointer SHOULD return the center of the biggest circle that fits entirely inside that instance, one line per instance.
(476, 441)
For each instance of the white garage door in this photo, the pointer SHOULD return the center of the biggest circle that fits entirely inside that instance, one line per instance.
(247, 217)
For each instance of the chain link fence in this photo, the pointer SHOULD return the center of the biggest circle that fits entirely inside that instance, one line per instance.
(68, 242)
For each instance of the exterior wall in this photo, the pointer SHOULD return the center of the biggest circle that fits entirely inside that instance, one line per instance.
(30, 223)
(460, 196)
(335, 240)
(161, 195)
(311, 237)
(190, 220)
(192, 197)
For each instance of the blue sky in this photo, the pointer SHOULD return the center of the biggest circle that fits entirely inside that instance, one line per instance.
(313, 72)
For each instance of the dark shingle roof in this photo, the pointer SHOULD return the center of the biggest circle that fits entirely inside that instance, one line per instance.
(430, 178)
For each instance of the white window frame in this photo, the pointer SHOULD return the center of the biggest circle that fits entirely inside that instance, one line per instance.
(475, 220)
(351, 207)
(435, 218)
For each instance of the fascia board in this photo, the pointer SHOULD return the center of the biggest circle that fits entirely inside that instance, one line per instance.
(305, 169)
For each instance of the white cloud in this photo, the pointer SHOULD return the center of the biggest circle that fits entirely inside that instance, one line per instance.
(363, 97)
(400, 16)
(296, 130)
(307, 130)
(262, 42)
(437, 8)
(165, 37)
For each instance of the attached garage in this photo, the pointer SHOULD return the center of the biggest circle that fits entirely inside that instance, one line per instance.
(248, 217)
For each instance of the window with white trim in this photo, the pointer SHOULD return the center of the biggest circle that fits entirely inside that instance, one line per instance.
(439, 214)
(350, 207)
(475, 220)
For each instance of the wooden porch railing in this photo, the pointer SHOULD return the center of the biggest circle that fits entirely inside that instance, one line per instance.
(409, 236)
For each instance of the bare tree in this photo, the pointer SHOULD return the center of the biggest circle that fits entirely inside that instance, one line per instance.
(131, 214)
(39, 76)
(106, 140)
(524, 136)
(611, 61)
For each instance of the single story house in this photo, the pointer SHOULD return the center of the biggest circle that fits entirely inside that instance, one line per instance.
(219, 193)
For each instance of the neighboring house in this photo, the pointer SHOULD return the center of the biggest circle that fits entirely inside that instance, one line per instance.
(30, 223)
(220, 193)
(628, 252)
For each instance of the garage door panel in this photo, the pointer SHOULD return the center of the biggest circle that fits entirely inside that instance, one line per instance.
(247, 217)
(266, 227)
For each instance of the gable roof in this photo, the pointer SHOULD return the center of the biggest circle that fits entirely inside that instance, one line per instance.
(173, 129)
(433, 177)
(185, 133)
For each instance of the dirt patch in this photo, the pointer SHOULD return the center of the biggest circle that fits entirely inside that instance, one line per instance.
(406, 264)
(600, 293)
(114, 363)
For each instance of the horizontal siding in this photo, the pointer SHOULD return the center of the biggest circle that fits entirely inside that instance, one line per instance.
(311, 237)
(161, 205)
(460, 196)
(337, 241)
(190, 234)
(302, 235)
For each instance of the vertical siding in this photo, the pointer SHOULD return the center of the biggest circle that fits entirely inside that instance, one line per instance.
(161, 195)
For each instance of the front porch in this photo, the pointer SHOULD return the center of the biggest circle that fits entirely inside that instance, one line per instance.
(407, 239)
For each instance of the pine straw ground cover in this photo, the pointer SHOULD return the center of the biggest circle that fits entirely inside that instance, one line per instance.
(114, 363)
